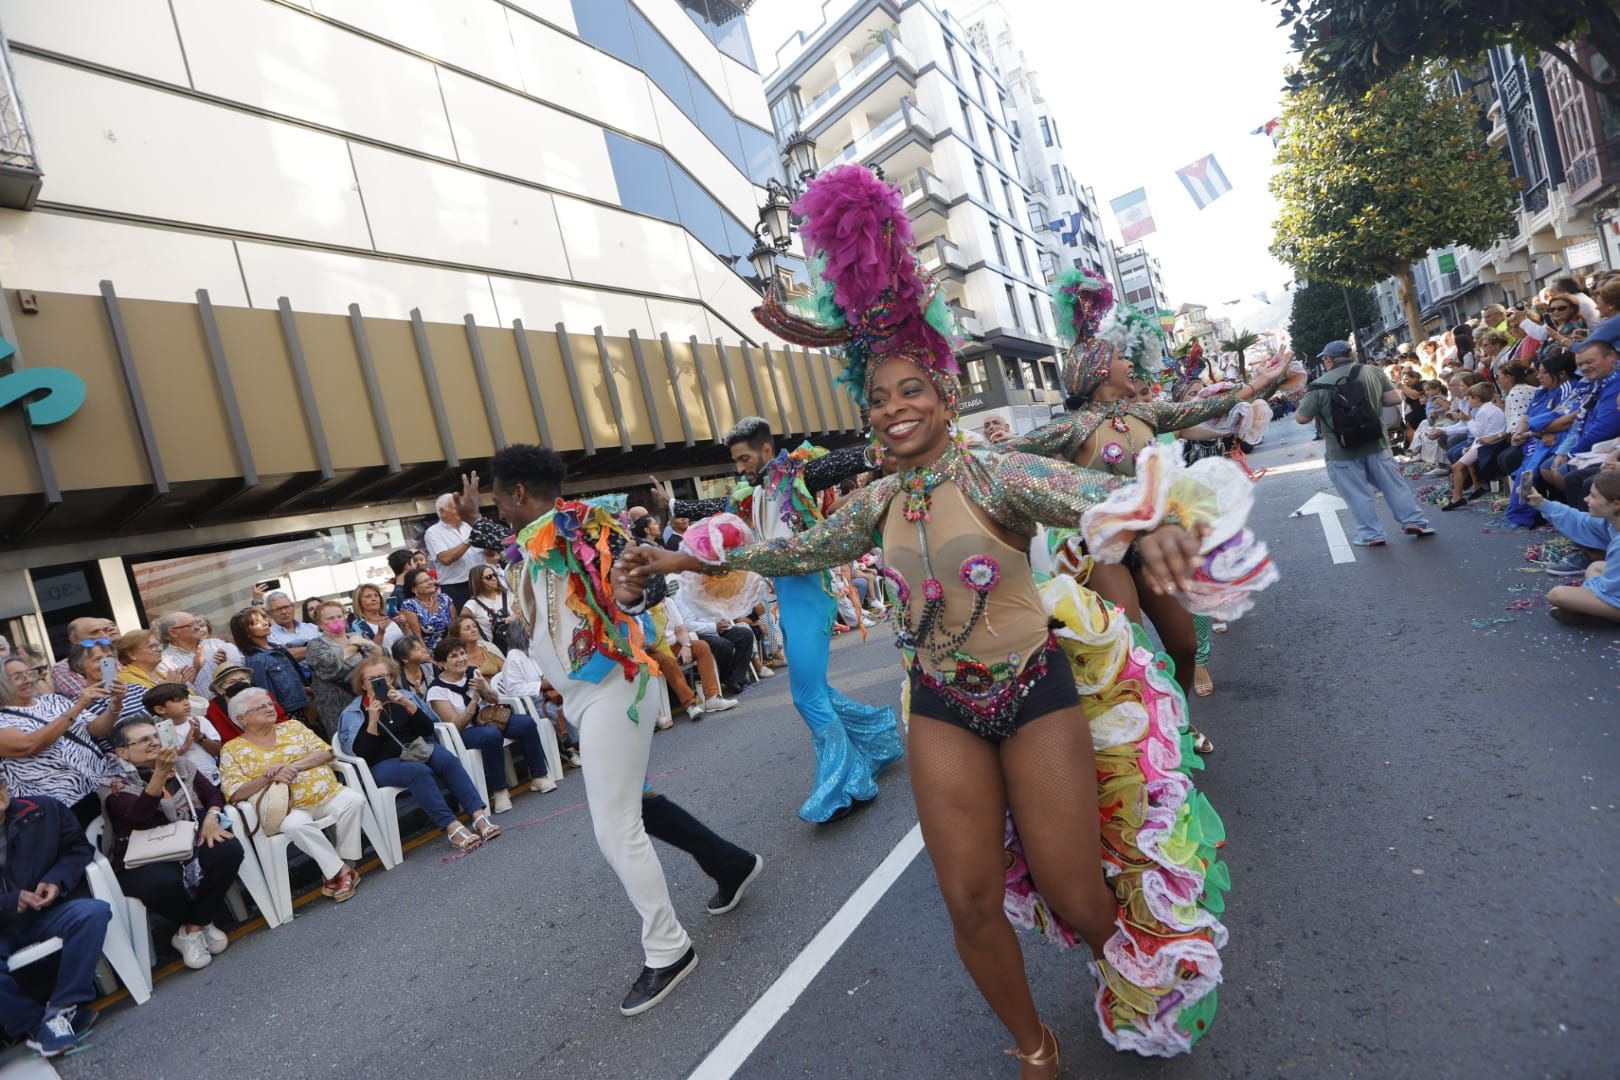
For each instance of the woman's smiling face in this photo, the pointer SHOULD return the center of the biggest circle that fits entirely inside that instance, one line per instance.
(908, 416)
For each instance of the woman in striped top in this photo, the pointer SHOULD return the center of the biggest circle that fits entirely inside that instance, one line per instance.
(48, 742)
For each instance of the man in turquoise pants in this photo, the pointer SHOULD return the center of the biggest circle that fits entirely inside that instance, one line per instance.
(854, 742)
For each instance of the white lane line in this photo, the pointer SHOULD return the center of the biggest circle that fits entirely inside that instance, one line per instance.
(744, 1038)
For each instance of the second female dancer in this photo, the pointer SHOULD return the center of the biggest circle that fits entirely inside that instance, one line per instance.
(997, 722)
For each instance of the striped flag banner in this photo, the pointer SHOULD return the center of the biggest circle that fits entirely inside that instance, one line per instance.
(1134, 217)
(1273, 128)
(1204, 180)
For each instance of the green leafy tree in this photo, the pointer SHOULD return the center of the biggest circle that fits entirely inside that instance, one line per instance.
(1241, 344)
(1349, 46)
(1319, 316)
(1367, 186)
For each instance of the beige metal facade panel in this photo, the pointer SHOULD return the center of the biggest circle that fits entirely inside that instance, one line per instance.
(272, 413)
(507, 383)
(340, 391)
(410, 410)
(458, 389)
(663, 394)
(686, 386)
(554, 397)
(182, 394)
(592, 391)
(707, 357)
(100, 445)
(622, 363)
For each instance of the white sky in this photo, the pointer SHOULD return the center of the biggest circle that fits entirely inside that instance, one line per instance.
(1139, 90)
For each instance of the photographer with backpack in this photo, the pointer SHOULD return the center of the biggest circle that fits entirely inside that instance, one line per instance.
(1349, 400)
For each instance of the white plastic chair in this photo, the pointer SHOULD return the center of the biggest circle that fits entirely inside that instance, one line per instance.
(36, 952)
(273, 851)
(472, 761)
(128, 944)
(384, 800)
(548, 739)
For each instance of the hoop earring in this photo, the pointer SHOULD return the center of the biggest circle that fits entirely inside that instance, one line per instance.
(872, 456)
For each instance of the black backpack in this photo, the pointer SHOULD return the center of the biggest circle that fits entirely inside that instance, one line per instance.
(1353, 418)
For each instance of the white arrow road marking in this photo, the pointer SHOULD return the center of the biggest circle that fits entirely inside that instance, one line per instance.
(1326, 507)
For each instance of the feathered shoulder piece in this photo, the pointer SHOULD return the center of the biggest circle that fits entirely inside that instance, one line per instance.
(872, 298)
(1081, 300)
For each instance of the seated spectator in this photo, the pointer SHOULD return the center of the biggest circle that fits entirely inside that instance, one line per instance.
(274, 668)
(709, 606)
(428, 611)
(64, 679)
(286, 630)
(270, 753)
(415, 662)
(401, 562)
(48, 742)
(1570, 289)
(458, 695)
(200, 743)
(1596, 419)
(43, 895)
(372, 620)
(482, 657)
(676, 649)
(521, 677)
(1597, 598)
(1486, 430)
(488, 605)
(186, 643)
(379, 730)
(332, 659)
(149, 787)
(1562, 324)
(141, 666)
(675, 532)
(996, 430)
(229, 681)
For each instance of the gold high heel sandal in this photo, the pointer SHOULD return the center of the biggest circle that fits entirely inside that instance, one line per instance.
(1043, 1056)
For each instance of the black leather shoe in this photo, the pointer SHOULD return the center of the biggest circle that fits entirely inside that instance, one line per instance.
(729, 896)
(654, 984)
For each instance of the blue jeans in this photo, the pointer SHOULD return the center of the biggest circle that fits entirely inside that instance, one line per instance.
(1357, 481)
(82, 926)
(423, 779)
(489, 742)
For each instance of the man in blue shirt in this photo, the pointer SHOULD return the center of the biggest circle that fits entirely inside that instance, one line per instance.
(1599, 416)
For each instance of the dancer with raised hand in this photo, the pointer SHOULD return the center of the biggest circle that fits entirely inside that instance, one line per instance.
(1063, 730)
(854, 742)
(582, 617)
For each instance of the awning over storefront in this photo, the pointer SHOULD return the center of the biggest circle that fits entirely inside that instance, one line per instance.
(195, 415)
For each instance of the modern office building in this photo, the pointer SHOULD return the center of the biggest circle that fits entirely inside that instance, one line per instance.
(310, 261)
(1063, 211)
(901, 85)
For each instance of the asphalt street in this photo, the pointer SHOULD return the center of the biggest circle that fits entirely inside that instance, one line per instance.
(1420, 803)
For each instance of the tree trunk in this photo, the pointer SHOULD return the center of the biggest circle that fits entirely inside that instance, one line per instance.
(1408, 293)
(1243, 369)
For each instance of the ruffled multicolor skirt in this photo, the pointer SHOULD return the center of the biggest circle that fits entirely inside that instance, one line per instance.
(1156, 983)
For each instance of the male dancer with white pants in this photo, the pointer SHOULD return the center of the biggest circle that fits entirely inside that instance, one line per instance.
(596, 670)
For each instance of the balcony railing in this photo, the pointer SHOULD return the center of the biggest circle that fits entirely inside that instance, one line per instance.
(906, 113)
(924, 183)
(1535, 199)
(870, 60)
(941, 252)
(20, 174)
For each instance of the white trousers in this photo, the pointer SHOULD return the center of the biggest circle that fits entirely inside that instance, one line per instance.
(299, 826)
(613, 752)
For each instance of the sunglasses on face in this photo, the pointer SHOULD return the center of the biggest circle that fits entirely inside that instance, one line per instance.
(94, 641)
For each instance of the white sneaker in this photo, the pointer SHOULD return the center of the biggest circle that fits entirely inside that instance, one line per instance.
(695, 711)
(215, 939)
(719, 704)
(664, 723)
(868, 622)
(500, 803)
(766, 673)
(192, 949)
(543, 784)
(573, 758)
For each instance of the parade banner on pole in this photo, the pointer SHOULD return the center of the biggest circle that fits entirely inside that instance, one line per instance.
(1134, 217)
(1204, 180)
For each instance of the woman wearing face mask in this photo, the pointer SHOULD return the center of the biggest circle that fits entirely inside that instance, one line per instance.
(997, 721)
(332, 659)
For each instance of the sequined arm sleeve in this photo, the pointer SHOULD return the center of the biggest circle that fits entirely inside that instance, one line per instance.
(844, 537)
(834, 468)
(1023, 491)
(1175, 415)
(698, 509)
(1061, 438)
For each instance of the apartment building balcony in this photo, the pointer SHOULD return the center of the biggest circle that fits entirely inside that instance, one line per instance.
(906, 125)
(889, 59)
(20, 175)
(941, 257)
(926, 195)
(967, 321)
(1596, 168)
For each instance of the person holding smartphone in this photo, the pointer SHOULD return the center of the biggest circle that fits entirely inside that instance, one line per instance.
(458, 695)
(382, 725)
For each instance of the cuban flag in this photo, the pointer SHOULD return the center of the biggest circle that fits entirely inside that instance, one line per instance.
(1204, 180)
(1273, 128)
(1134, 217)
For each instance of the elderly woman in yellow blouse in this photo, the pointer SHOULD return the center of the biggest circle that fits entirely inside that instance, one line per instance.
(266, 753)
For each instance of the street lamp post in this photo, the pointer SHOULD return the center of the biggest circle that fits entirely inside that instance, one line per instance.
(773, 235)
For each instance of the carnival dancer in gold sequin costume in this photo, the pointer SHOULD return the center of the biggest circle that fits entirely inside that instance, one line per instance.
(1006, 714)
